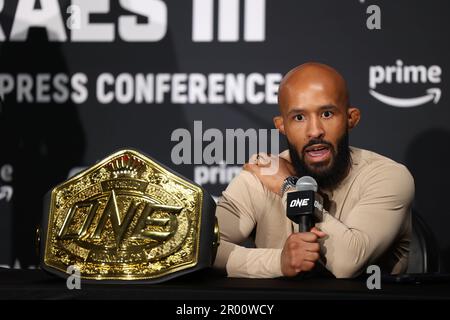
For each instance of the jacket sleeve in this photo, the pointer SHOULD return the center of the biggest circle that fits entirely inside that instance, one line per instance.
(237, 213)
(385, 198)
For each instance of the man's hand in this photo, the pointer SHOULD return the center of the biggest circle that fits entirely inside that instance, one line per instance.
(301, 252)
(271, 170)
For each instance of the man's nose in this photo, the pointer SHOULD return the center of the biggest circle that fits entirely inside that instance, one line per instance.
(315, 129)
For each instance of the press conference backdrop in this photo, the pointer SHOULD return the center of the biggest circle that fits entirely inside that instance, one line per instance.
(184, 81)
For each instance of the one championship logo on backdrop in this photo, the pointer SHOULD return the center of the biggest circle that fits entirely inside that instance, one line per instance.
(124, 218)
(405, 74)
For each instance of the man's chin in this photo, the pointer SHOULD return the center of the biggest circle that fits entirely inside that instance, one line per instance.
(319, 167)
(319, 170)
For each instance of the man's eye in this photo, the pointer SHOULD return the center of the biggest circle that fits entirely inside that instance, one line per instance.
(327, 114)
(299, 117)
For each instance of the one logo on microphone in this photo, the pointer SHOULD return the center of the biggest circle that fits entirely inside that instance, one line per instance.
(299, 203)
(401, 74)
(318, 205)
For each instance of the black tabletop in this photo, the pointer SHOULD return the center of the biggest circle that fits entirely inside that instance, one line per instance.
(209, 284)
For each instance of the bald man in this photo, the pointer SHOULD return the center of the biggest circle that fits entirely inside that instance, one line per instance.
(367, 196)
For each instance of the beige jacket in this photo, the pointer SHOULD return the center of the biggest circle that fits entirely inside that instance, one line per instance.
(368, 221)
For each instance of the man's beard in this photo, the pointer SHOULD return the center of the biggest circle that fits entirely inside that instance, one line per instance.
(327, 177)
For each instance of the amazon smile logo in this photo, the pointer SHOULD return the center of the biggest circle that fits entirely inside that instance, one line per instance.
(400, 73)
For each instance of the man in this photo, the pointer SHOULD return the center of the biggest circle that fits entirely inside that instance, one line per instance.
(367, 218)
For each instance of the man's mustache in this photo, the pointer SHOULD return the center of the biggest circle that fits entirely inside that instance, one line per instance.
(317, 141)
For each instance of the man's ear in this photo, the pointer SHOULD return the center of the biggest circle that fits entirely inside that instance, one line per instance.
(353, 117)
(279, 124)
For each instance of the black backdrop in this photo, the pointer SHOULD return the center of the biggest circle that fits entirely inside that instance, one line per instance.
(45, 133)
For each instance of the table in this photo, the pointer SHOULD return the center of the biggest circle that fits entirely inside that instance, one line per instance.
(212, 285)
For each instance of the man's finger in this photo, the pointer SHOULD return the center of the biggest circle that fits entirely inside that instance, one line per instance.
(306, 236)
(318, 232)
(312, 247)
(308, 265)
(312, 256)
(253, 158)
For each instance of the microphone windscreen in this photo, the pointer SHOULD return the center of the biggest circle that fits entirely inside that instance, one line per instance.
(306, 183)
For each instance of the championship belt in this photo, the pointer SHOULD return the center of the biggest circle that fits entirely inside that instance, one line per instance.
(128, 218)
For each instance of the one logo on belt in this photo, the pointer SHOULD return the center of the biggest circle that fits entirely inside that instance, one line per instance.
(124, 216)
(405, 74)
(299, 203)
(146, 226)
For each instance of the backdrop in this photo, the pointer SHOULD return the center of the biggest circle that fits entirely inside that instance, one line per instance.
(177, 79)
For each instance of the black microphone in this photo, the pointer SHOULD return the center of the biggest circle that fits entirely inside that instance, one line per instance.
(303, 203)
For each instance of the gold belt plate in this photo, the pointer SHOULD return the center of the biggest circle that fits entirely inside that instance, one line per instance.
(125, 218)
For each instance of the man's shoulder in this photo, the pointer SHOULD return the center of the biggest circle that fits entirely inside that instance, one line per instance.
(370, 160)
(373, 167)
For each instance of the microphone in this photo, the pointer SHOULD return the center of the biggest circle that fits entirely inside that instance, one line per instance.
(304, 203)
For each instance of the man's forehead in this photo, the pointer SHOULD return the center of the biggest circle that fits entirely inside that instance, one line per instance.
(313, 71)
(312, 82)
